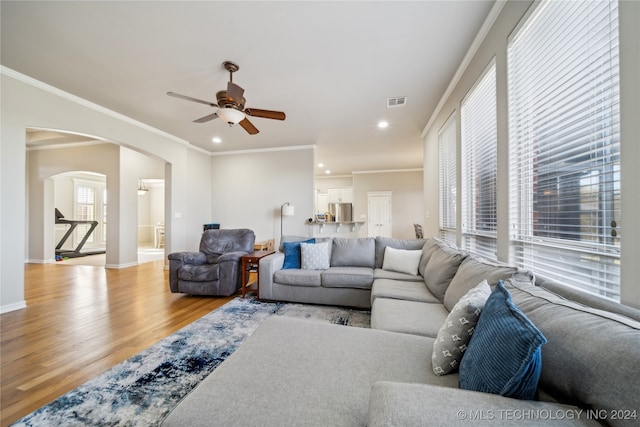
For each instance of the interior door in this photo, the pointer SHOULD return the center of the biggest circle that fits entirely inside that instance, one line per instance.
(379, 214)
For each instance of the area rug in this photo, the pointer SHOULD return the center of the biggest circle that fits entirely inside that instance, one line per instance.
(142, 390)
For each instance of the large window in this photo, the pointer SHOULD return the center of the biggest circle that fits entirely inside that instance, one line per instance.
(479, 156)
(85, 211)
(564, 145)
(447, 175)
(90, 204)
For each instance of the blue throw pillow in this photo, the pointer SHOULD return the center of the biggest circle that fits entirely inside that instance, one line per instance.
(504, 354)
(292, 253)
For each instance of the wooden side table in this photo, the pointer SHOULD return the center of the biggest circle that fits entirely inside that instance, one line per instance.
(251, 263)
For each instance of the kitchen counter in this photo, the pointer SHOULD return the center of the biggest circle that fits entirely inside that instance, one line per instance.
(339, 228)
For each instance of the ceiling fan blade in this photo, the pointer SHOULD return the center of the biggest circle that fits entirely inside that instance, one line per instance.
(248, 126)
(206, 118)
(188, 98)
(266, 114)
(234, 92)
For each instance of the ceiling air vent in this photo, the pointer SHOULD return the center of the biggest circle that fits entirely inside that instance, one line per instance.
(398, 101)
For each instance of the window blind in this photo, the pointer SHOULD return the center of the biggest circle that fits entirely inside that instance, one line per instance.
(85, 211)
(447, 178)
(564, 145)
(478, 117)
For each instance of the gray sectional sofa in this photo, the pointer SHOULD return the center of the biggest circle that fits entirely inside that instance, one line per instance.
(354, 264)
(294, 372)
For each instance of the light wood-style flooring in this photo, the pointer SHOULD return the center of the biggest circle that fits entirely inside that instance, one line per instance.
(79, 322)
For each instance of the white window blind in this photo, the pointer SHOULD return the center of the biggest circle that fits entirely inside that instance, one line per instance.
(447, 177)
(564, 145)
(479, 155)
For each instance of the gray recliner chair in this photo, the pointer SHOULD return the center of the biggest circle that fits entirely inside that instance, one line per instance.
(216, 269)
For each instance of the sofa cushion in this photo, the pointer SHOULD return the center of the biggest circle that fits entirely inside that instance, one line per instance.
(347, 277)
(584, 298)
(504, 355)
(358, 252)
(400, 289)
(314, 256)
(591, 358)
(298, 277)
(324, 377)
(387, 242)
(401, 260)
(409, 317)
(427, 250)
(220, 241)
(291, 239)
(442, 266)
(199, 273)
(292, 253)
(471, 272)
(379, 273)
(455, 333)
(412, 404)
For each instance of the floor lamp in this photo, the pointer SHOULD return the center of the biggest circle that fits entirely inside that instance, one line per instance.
(286, 209)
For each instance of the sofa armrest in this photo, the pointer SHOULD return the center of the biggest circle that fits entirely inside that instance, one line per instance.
(234, 256)
(408, 404)
(269, 265)
(194, 258)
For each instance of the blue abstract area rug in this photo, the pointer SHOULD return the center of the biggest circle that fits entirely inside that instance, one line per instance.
(143, 389)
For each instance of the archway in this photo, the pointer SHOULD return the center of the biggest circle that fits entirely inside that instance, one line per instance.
(52, 155)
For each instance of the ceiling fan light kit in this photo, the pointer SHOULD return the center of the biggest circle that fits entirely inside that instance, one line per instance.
(230, 105)
(230, 115)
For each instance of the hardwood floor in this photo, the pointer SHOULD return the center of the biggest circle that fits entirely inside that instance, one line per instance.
(79, 322)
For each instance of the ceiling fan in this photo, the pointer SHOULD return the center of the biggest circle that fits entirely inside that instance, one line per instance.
(230, 105)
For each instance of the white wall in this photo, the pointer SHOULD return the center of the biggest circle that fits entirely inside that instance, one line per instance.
(26, 103)
(325, 183)
(249, 188)
(495, 44)
(44, 164)
(407, 199)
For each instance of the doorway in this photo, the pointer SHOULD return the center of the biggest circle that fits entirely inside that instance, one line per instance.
(151, 226)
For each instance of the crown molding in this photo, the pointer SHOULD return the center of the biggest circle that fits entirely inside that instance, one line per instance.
(95, 107)
(263, 150)
(387, 171)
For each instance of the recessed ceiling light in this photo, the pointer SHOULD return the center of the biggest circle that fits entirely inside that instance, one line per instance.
(383, 124)
(327, 171)
(320, 165)
(216, 140)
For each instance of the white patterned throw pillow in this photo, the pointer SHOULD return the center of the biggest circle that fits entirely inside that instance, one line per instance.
(455, 334)
(314, 256)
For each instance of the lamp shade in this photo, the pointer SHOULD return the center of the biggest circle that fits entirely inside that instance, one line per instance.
(230, 115)
(288, 210)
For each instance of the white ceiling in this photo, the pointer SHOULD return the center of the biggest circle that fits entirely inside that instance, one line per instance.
(329, 65)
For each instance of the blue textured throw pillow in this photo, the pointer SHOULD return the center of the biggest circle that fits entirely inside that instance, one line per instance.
(292, 253)
(504, 354)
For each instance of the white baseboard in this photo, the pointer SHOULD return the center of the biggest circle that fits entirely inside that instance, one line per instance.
(118, 266)
(12, 307)
(40, 261)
